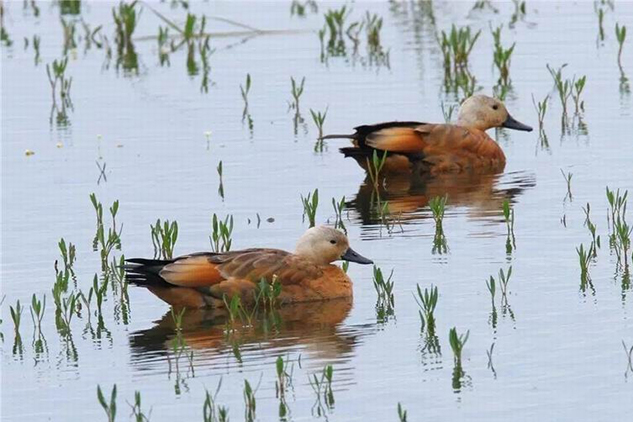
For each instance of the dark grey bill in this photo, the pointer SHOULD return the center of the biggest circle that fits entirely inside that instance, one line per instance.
(512, 123)
(352, 256)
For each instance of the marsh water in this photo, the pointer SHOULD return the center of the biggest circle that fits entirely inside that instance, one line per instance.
(137, 132)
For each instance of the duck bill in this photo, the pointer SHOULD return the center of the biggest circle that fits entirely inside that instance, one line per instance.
(512, 123)
(352, 256)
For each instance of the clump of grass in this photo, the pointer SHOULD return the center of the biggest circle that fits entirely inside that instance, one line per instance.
(296, 91)
(568, 177)
(250, 412)
(502, 57)
(322, 387)
(125, 19)
(375, 166)
(319, 119)
(137, 411)
(508, 215)
(179, 348)
(579, 86)
(310, 205)
(595, 239)
(438, 207)
(456, 47)
(584, 259)
(427, 302)
(385, 302)
(113, 240)
(563, 86)
(491, 284)
(108, 408)
(221, 237)
(16, 316)
(519, 12)
(620, 34)
(284, 380)
(60, 85)
(541, 109)
(620, 233)
(339, 207)
(38, 308)
(299, 8)
(457, 342)
(373, 25)
(164, 237)
(212, 412)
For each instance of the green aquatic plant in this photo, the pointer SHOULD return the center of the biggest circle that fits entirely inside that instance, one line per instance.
(38, 308)
(16, 316)
(375, 166)
(584, 259)
(501, 56)
(620, 34)
(508, 215)
(102, 243)
(427, 302)
(299, 8)
(137, 411)
(212, 412)
(108, 408)
(373, 26)
(60, 84)
(457, 342)
(319, 119)
(385, 301)
(221, 186)
(563, 86)
(620, 231)
(519, 12)
(164, 237)
(245, 90)
(250, 412)
(310, 204)
(283, 382)
(504, 279)
(438, 207)
(126, 19)
(339, 207)
(322, 387)
(221, 237)
(296, 91)
(578, 87)
(595, 239)
(402, 414)
(448, 112)
(541, 110)
(457, 45)
(179, 348)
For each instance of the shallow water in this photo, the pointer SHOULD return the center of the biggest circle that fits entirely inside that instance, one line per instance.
(558, 351)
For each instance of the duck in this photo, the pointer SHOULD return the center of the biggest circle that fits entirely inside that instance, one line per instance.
(436, 148)
(210, 279)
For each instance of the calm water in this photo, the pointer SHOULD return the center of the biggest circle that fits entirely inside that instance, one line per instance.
(558, 351)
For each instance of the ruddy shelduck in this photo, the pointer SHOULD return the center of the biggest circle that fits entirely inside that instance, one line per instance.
(209, 279)
(435, 148)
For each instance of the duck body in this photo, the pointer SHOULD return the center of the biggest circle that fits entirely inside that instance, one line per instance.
(426, 147)
(436, 148)
(208, 279)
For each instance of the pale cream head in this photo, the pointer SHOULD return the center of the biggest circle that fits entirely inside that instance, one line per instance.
(324, 245)
(482, 112)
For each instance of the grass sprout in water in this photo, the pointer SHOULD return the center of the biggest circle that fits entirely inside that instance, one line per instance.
(310, 205)
(457, 342)
(102, 243)
(220, 238)
(284, 381)
(322, 387)
(250, 402)
(568, 177)
(501, 57)
(319, 119)
(595, 239)
(620, 34)
(541, 110)
(339, 207)
(427, 302)
(508, 215)
(402, 414)
(164, 236)
(211, 412)
(385, 302)
(620, 236)
(296, 91)
(108, 408)
(438, 208)
(584, 258)
(137, 411)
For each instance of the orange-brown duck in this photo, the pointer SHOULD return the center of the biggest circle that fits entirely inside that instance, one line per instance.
(436, 148)
(207, 279)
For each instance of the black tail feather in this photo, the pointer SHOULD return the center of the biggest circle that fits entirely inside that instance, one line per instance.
(145, 272)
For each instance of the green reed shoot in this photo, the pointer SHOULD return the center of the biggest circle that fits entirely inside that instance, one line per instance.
(595, 239)
(457, 45)
(402, 414)
(335, 22)
(584, 259)
(297, 91)
(99, 291)
(620, 34)
(448, 112)
(484, 4)
(578, 87)
(16, 316)
(125, 19)
(164, 237)
(319, 119)
(384, 289)
(179, 347)
(501, 56)
(137, 411)
(568, 177)
(373, 25)
(245, 90)
(438, 207)
(491, 284)
(457, 343)
(541, 109)
(322, 387)
(310, 204)
(299, 8)
(620, 235)
(519, 12)
(212, 412)
(284, 380)
(427, 302)
(38, 307)
(504, 279)
(109, 408)
(267, 294)
(563, 86)
(508, 215)
(250, 412)
(113, 240)
(339, 207)
(60, 83)
(69, 254)
(374, 167)
(221, 237)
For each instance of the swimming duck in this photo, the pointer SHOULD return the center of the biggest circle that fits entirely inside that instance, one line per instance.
(436, 147)
(205, 279)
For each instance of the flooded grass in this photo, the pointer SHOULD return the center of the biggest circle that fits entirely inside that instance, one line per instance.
(132, 86)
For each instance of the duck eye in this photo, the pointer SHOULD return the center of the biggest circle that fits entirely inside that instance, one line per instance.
(495, 107)
(333, 242)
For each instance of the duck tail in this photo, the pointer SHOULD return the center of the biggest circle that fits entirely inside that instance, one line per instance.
(338, 136)
(145, 272)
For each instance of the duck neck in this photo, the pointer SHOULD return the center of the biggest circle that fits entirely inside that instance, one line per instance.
(470, 122)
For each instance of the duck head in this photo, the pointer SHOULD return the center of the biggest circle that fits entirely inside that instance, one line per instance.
(324, 245)
(483, 112)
